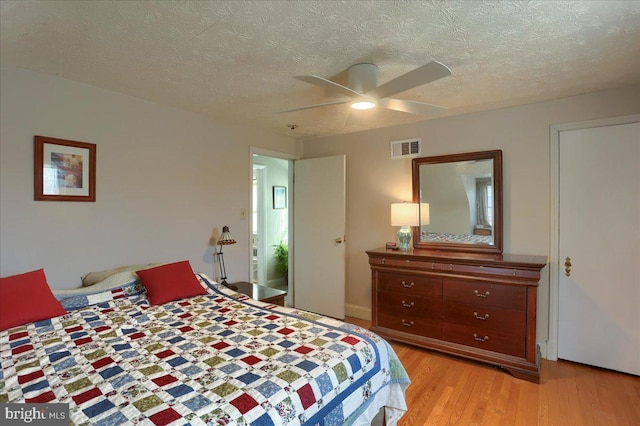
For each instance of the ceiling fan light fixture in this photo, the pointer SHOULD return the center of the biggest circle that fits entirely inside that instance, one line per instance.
(363, 105)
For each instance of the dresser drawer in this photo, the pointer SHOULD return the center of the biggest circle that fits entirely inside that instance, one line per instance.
(486, 293)
(411, 323)
(401, 305)
(510, 343)
(485, 317)
(410, 284)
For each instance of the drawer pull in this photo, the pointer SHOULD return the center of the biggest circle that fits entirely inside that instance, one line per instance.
(405, 285)
(486, 293)
(407, 324)
(480, 317)
(480, 339)
(407, 305)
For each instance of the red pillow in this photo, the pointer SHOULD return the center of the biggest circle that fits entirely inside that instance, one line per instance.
(169, 282)
(27, 298)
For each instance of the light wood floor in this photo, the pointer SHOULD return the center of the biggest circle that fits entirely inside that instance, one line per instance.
(454, 391)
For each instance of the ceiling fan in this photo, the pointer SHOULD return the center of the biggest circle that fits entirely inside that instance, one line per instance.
(364, 92)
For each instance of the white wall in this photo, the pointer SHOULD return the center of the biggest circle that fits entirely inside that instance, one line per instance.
(374, 181)
(167, 181)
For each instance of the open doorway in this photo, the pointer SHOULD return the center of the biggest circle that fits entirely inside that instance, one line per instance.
(270, 221)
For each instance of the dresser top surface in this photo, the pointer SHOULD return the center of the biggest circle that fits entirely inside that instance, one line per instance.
(511, 260)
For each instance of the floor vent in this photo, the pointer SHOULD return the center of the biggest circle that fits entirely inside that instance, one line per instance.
(406, 148)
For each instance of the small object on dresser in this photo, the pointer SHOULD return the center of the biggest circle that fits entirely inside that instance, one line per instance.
(260, 292)
(391, 246)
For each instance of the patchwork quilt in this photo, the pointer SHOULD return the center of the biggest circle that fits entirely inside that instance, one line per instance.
(220, 359)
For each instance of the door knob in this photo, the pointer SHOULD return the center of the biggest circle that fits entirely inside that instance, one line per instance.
(567, 266)
(339, 240)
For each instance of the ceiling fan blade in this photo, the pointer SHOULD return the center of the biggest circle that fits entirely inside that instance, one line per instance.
(328, 84)
(411, 107)
(313, 106)
(422, 75)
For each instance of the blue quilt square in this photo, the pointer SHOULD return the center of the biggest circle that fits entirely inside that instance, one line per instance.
(91, 319)
(44, 323)
(235, 353)
(110, 372)
(263, 420)
(270, 338)
(335, 417)
(248, 378)
(129, 354)
(18, 343)
(179, 390)
(56, 356)
(220, 319)
(116, 418)
(74, 336)
(225, 333)
(287, 358)
(307, 365)
(196, 403)
(270, 326)
(337, 347)
(121, 347)
(120, 381)
(129, 330)
(187, 346)
(174, 362)
(331, 335)
(355, 363)
(166, 334)
(239, 338)
(176, 339)
(99, 408)
(36, 386)
(286, 343)
(176, 324)
(56, 348)
(192, 370)
(65, 364)
(324, 384)
(230, 368)
(268, 388)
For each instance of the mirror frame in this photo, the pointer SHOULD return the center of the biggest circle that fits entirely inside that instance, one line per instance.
(496, 156)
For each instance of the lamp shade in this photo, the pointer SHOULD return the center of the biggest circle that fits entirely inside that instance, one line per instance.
(424, 213)
(404, 214)
(226, 238)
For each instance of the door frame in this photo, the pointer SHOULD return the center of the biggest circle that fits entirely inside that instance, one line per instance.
(291, 158)
(259, 171)
(554, 228)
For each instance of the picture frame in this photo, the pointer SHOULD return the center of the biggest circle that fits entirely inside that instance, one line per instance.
(64, 170)
(279, 197)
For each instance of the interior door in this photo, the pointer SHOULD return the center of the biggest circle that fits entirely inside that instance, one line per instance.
(599, 241)
(319, 230)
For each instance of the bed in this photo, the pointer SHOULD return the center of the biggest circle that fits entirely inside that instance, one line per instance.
(215, 358)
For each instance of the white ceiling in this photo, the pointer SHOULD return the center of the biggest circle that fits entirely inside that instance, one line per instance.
(235, 60)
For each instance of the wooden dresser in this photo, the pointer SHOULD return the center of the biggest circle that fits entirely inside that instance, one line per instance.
(479, 306)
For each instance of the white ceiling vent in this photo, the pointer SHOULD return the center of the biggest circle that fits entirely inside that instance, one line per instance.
(406, 149)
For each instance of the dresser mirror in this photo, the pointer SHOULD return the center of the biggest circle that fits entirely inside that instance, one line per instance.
(460, 198)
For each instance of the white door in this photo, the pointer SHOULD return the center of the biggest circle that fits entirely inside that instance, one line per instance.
(319, 230)
(599, 227)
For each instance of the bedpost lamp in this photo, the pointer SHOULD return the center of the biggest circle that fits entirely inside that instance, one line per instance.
(225, 239)
(404, 215)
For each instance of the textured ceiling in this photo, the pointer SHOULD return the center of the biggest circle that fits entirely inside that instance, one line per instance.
(235, 60)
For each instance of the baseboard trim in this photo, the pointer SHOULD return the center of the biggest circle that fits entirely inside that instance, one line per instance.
(357, 311)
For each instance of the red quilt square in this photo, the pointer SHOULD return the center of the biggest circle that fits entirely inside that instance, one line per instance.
(286, 331)
(165, 417)
(73, 329)
(31, 376)
(20, 349)
(272, 317)
(165, 353)
(102, 328)
(86, 396)
(307, 398)
(350, 340)
(102, 362)
(44, 397)
(186, 329)
(82, 341)
(244, 403)
(251, 359)
(106, 311)
(185, 315)
(230, 323)
(304, 350)
(137, 335)
(164, 380)
(220, 345)
(19, 335)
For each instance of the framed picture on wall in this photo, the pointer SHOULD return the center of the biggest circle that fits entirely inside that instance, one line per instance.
(64, 170)
(279, 197)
